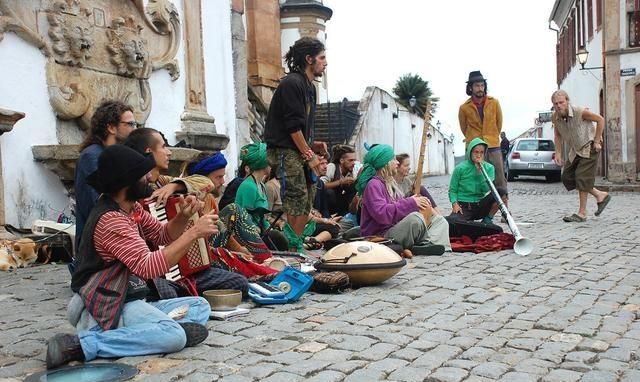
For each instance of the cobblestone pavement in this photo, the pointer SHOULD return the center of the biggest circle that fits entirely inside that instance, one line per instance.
(567, 312)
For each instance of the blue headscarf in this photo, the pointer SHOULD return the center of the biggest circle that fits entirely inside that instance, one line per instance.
(208, 165)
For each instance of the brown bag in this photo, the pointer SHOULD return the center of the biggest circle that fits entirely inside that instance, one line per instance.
(329, 282)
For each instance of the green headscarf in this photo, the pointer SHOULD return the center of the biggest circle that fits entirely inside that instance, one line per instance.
(376, 158)
(254, 155)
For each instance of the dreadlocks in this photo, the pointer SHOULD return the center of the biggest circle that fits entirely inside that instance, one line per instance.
(338, 153)
(296, 56)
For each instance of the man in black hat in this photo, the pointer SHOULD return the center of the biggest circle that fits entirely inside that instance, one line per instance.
(481, 117)
(109, 307)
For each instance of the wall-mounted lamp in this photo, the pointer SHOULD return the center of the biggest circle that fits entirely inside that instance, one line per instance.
(438, 124)
(583, 55)
(412, 101)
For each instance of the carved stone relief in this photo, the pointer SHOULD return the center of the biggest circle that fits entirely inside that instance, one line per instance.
(97, 49)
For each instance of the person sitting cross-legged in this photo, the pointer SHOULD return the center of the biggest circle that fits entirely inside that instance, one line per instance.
(469, 192)
(109, 307)
(410, 221)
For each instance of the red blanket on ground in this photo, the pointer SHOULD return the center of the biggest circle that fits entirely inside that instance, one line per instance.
(490, 243)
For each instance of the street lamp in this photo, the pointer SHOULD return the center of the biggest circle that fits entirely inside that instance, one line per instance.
(412, 102)
(583, 55)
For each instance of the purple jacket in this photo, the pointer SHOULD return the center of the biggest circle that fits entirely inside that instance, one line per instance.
(379, 211)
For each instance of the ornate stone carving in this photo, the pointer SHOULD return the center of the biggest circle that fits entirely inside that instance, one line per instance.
(128, 49)
(71, 33)
(97, 49)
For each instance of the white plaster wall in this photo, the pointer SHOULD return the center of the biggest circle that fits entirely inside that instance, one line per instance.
(379, 126)
(218, 56)
(23, 88)
(584, 86)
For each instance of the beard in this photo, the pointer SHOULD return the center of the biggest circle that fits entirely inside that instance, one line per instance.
(137, 191)
(216, 192)
(479, 94)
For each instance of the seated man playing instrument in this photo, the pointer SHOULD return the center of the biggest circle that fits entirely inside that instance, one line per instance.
(109, 307)
(386, 211)
(147, 140)
(238, 246)
(469, 192)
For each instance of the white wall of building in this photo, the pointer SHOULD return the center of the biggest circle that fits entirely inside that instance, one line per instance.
(23, 88)
(580, 84)
(378, 125)
(30, 190)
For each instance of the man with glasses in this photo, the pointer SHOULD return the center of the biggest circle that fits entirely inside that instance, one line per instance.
(111, 123)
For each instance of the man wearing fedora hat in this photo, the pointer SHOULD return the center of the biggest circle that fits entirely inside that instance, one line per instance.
(109, 308)
(480, 116)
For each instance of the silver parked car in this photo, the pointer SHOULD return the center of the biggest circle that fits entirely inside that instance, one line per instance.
(532, 156)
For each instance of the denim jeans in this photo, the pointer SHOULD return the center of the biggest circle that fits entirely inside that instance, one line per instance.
(144, 329)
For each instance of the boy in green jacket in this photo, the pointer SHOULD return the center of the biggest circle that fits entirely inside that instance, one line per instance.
(470, 196)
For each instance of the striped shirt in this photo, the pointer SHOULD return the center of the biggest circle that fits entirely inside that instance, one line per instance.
(121, 237)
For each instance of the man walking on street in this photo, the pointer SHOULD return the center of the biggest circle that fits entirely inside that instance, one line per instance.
(573, 126)
(289, 130)
(481, 117)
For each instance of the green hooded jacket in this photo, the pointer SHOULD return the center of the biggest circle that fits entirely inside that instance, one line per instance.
(467, 182)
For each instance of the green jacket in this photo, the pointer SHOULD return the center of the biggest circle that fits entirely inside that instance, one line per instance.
(467, 182)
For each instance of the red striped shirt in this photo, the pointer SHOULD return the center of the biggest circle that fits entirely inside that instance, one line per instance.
(121, 237)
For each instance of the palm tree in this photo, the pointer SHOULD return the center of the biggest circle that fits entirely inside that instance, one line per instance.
(412, 85)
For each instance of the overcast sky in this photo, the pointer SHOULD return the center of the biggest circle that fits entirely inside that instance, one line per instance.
(373, 42)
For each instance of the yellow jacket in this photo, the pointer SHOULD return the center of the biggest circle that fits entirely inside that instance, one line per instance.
(488, 129)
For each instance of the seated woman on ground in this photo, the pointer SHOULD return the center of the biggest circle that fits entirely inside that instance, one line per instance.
(252, 194)
(386, 211)
(405, 184)
(468, 189)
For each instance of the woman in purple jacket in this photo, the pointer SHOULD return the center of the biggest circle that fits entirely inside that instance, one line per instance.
(410, 221)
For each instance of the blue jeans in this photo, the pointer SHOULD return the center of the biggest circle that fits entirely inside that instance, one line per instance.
(144, 328)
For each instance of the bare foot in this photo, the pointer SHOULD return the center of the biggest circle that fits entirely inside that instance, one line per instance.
(406, 254)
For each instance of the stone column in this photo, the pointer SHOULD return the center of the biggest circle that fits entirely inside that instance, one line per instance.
(7, 119)
(198, 127)
(263, 46)
(613, 123)
(239, 47)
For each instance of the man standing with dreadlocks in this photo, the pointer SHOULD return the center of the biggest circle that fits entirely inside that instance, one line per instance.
(289, 130)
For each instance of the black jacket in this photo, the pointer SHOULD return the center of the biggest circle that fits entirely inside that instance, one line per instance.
(292, 109)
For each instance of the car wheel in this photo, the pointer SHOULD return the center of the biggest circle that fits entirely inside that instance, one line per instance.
(510, 175)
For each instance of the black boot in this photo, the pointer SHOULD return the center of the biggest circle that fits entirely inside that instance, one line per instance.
(195, 332)
(63, 348)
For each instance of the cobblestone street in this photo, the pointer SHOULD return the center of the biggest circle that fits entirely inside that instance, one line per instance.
(567, 312)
